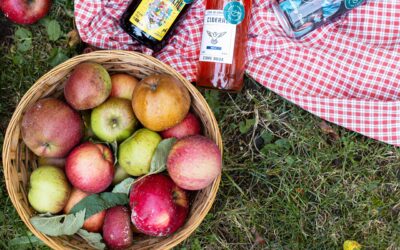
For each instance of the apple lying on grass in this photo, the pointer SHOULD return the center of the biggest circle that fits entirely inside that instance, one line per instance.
(49, 189)
(194, 162)
(92, 224)
(159, 207)
(50, 128)
(25, 11)
(113, 120)
(90, 167)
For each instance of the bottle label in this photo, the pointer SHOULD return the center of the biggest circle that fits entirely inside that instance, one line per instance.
(234, 12)
(351, 4)
(155, 17)
(218, 40)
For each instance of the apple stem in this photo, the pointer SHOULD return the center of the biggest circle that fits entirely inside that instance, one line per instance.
(153, 87)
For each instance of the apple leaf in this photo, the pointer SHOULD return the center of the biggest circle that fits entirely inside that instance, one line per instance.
(53, 30)
(159, 160)
(60, 224)
(124, 186)
(24, 39)
(98, 202)
(56, 57)
(93, 239)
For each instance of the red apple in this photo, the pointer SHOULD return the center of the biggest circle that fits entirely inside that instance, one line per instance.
(88, 86)
(117, 228)
(189, 126)
(123, 86)
(159, 206)
(90, 167)
(25, 11)
(50, 128)
(92, 224)
(194, 162)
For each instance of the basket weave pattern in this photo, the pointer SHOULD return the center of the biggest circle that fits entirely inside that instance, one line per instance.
(19, 161)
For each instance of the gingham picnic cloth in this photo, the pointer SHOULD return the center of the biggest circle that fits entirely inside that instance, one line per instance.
(347, 72)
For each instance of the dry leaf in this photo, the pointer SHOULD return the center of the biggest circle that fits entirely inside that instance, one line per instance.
(73, 38)
(326, 129)
(259, 240)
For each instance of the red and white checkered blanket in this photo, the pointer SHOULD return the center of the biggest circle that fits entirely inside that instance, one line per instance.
(347, 72)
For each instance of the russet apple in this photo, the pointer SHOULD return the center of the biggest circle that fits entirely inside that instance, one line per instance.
(122, 86)
(136, 152)
(90, 167)
(92, 224)
(113, 120)
(117, 228)
(189, 126)
(88, 86)
(159, 207)
(50, 128)
(25, 11)
(160, 102)
(49, 189)
(194, 162)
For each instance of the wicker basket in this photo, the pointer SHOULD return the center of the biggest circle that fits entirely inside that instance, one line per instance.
(19, 162)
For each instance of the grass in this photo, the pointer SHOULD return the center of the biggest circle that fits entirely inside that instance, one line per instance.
(289, 180)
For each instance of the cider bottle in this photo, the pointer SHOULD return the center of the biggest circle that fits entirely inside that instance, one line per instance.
(223, 45)
(151, 22)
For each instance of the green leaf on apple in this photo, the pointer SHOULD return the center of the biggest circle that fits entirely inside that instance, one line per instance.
(124, 186)
(56, 57)
(24, 39)
(53, 29)
(60, 224)
(93, 239)
(159, 159)
(98, 202)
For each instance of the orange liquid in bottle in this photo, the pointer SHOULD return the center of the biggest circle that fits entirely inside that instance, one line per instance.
(216, 69)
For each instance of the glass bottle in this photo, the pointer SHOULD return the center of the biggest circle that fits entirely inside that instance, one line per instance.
(223, 46)
(300, 17)
(151, 22)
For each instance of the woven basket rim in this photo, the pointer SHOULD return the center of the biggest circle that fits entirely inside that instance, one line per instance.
(17, 114)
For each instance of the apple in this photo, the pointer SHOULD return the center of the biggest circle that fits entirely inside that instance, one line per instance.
(135, 153)
(49, 189)
(88, 86)
(122, 86)
(160, 102)
(92, 224)
(50, 128)
(117, 228)
(189, 126)
(56, 162)
(194, 162)
(90, 167)
(25, 11)
(113, 120)
(159, 207)
(120, 174)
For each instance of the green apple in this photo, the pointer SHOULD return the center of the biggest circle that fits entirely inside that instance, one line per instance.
(113, 120)
(120, 175)
(49, 189)
(135, 153)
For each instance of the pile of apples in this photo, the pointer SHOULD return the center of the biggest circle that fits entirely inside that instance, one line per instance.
(72, 137)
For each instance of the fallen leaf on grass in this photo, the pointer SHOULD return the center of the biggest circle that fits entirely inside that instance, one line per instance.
(326, 129)
(73, 38)
(351, 245)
